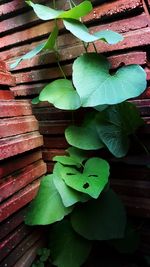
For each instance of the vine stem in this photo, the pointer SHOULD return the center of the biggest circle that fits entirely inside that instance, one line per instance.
(58, 63)
(85, 47)
(95, 47)
(70, 4)
(54, 4)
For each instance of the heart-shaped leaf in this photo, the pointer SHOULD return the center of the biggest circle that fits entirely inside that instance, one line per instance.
(85, 136)
(47, 13)
(49, 44)
(68, 195)
(93, 179)
(100, 219)
(76, 157)
(68, 249)
(61, 94)
(78, 29)
(47, 207)
(100, 87)
(115, 124)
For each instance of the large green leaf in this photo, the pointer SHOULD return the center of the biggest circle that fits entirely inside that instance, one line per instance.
(76, 157)
(85, 136)
(115, 124)
(47, 13)
(68, 249)
(100, 87)
(61, 94)
(47, 207)
(49, 44)
(68, 195)
(78, 29)
(93, 179)
(100, 219)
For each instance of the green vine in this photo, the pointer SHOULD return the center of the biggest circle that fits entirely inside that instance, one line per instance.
(76, 198)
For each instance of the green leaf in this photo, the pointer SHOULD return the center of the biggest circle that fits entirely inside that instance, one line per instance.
(68, 195)
(49, 44)
(129, 244)
(100, 87)
(78, 29)
(93, 179)
(47, 13)
(85, 136)
(44, 12)
(100, 219)
(61, 94)
(76, 157)
(47, 207)
(68, 249)
(115, 124)
(100, 107)
(35, 100)
(78, 11)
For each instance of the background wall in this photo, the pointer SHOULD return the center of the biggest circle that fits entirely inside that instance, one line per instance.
(20, 31)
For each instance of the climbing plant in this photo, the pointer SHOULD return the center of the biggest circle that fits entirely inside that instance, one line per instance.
(76, 198)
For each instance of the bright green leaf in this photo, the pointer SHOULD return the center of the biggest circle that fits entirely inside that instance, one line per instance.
(47, 13)
(47, 207)
(93, 179)
(61, 94)
(68, 249)
(100, 87)
(100, 219)
(115, 124)
(76, 157)
(78, 11)
(68, 195)
(49, 44)
(78, 29)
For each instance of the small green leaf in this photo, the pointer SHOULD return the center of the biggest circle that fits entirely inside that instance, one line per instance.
(77, 154)
(49, 44)
(78, 11)
(35, 100)
(47, 13)
(93, 179)
(47, 207)
(85, 136)
(61, 94)
(100, 219)
(102, 88)
(68, 249)
(44, 12)
(115, 124)
(100, 107)
(29, 55)
(78, 29)
(68, 195)
(76, 157)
